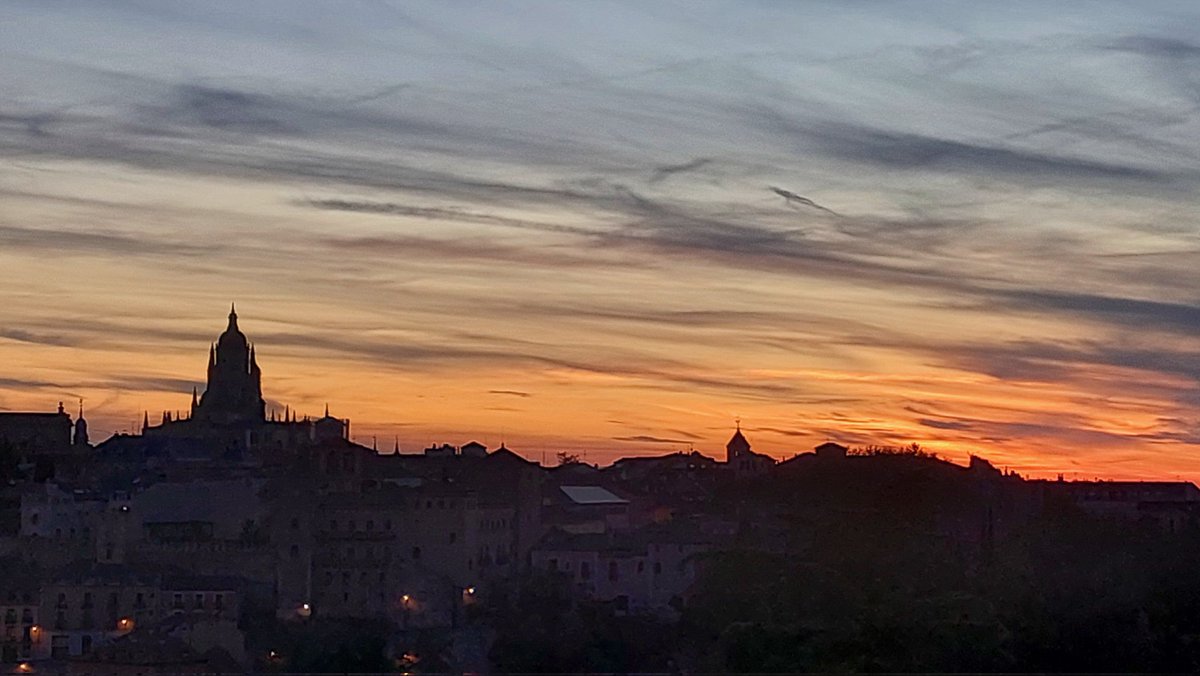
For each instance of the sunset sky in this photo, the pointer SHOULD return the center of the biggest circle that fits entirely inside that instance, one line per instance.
(615, 228)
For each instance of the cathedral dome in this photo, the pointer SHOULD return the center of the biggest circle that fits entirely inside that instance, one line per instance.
(233, 338)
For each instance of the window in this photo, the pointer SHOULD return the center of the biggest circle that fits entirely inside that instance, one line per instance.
(295, 523)
(62, 600)
(614, 571)
(657, 567)
(352, 526)
(370, 526)
(87, 600)
(198, 601)
(641, 566)
(387, 524)
(453, 537)
(177, 601)
(333, 525)
(585, 570)
(219, 601)
(416, 553)
(552, 564)
(294, 551)
(85, 644)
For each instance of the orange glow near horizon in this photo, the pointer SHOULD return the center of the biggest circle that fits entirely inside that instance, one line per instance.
(539, 410)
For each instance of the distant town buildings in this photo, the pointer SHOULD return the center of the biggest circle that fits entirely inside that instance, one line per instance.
(148, 551)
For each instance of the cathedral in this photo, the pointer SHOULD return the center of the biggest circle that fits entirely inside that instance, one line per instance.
(230, 421)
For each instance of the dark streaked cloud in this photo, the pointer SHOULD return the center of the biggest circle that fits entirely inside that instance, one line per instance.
(649, 439)
(1155, 46)
(792, 198)
(1137, 313)
(668, 170)
(899, 150)
(511, 393)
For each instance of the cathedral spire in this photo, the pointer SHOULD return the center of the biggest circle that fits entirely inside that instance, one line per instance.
(145, 421)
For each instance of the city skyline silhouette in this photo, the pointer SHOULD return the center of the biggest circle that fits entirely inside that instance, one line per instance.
(599, 337)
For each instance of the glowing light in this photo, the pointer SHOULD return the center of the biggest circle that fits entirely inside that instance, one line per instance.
(125, 624)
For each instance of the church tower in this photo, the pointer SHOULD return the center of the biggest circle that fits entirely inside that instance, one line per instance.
(234, 392)
(737, 447)
(81, 428)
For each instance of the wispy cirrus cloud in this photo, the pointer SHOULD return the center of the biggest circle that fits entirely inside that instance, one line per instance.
(471, 204)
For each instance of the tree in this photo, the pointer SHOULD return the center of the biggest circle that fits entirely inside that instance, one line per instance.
(565, 458)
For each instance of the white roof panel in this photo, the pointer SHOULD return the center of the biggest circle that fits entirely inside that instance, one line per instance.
(592, 495)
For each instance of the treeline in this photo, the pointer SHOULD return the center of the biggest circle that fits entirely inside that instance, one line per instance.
(1068, 592)
(857, 568)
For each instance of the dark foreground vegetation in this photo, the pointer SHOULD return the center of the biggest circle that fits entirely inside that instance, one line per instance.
(865, 573)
